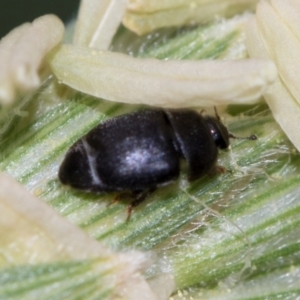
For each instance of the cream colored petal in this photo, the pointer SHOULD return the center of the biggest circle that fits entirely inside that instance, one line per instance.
(29, 51)
(163, 286)
(282, 46)
(194, 12)
(7, 90)
(32, 232)
(289, 11)
(121, 78)
(285, 108)
(156, 5)
(97, 22)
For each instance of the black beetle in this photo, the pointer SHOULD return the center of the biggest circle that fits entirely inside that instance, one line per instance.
(140, 151)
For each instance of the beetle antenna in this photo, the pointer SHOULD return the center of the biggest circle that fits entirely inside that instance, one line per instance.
(216, 113)
(251, 137)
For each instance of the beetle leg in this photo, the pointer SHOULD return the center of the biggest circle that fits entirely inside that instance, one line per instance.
(139, 197)
(120, 197)
(251, 137)
(116, 200)
(218, 170)
(221, 169)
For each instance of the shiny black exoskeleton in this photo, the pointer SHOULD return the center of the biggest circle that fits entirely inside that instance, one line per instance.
(140, 151)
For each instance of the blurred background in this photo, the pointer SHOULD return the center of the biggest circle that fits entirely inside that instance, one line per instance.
(16, 12)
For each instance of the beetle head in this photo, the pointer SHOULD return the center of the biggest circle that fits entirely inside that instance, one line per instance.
(218, 131)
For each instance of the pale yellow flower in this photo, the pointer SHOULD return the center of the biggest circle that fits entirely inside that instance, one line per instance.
(143, 16)
(22, 53)
(119, 77)
(87, 66)
(274, 33)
